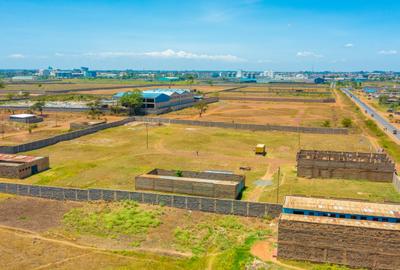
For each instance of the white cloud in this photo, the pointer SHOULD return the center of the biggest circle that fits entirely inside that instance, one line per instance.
(309, 54)
(16, 56)
(387, 52)
(189, 55)
(264, 61)
(349, 45)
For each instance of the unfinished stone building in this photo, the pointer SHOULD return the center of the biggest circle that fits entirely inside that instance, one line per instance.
(207, 184)
(19, 166)
(346, 165)
(353, 233)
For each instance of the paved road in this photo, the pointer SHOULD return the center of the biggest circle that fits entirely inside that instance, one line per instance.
(379, 119)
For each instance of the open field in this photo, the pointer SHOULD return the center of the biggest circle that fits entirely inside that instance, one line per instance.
(62, 235)
(54, 123)
(113, 157)
(273, 113)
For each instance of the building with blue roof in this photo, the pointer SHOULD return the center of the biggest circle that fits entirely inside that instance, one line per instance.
(159, 100)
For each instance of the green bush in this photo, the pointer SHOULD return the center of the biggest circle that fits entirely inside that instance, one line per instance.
(326, 123)
(112, 220)
(347, 122)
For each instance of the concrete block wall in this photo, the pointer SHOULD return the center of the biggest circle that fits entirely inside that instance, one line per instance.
(273, 99)
(357, 247)
(221, 206)
(254, 127)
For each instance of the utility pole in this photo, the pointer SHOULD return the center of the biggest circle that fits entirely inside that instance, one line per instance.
(147, 136)
(277, 188)
(299, 140)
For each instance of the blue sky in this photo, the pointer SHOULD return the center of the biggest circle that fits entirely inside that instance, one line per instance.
(282, 35)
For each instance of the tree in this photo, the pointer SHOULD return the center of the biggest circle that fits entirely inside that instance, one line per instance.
(347, 122)
(132, 100)
(38, 106)
(94, 108)
(383, 99)
(202, 106)
(2, 85)
(190, 79)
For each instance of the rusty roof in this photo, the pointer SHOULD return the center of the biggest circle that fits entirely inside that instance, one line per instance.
(343, 206)
(342, 222)
(17, 158)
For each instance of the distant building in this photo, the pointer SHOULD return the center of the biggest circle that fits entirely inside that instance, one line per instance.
(23, 78)
(63, 74)
(25, 118)
(370, 90)
(319, 80)
(169, 79)
(19, 166)
(156, 101)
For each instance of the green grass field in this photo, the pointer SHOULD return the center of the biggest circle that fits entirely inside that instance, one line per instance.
(112, 158)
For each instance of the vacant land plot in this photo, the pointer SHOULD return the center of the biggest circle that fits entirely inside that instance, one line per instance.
(273, 113)
(279, 91)
(113, 157)
(74, 236)
(54, 123)
(180, 239)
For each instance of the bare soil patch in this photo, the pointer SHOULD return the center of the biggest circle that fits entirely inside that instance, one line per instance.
(33, 213)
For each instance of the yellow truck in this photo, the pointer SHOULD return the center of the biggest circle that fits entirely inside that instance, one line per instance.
(260, 149)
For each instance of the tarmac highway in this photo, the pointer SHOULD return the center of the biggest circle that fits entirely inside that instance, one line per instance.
(382, 122)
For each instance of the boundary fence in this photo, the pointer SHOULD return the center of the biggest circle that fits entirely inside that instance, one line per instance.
(305, 100)
(254, 127)
(219, 206)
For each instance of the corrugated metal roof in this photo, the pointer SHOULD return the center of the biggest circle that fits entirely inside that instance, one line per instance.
(342, 221)
(17, 158)
(342, 206)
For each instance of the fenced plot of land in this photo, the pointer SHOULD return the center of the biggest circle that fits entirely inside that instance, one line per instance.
(267, 91)
(272, 113)
(54, 123)
(113, 157)
(165, 238)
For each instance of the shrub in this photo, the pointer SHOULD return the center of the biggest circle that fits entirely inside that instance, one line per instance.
(326, 123)
(347, 122)
(112, 220)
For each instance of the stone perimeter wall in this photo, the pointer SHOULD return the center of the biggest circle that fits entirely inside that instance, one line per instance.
(315, 130)
(273, 99)
(357, 247)
(226, 207)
